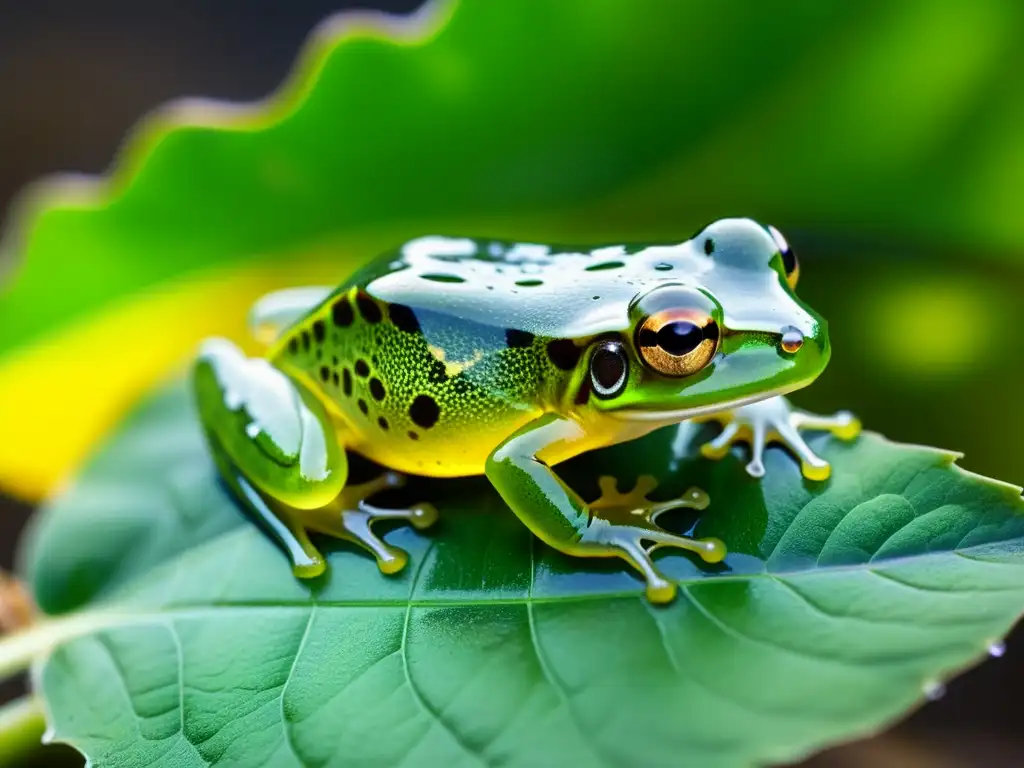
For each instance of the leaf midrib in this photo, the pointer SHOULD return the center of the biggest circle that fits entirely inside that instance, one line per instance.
(441, 602)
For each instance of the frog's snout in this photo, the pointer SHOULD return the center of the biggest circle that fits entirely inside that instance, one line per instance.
(792, 339)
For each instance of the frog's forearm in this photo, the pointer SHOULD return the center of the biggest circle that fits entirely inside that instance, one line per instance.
(617, 524)
(552, 510)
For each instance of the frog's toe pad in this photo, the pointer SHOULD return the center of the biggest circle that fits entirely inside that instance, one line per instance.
(817, 472)
(392, 560)
(309, 570)
(714, 550)
(422, 515)
(848, 426)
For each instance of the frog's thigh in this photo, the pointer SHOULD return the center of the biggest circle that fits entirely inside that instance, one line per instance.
(273, 443)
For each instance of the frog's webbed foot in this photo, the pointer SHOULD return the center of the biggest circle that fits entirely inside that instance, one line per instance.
(775, 420)
(627, 524)
(351, 517)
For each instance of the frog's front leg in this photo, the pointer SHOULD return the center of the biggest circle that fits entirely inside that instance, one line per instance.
(615, 525)
(277, 450)
(775, 420)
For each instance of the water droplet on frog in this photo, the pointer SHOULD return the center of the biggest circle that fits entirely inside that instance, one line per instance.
(996, 650)
(934, 690)
(792, 339)
(663, 267)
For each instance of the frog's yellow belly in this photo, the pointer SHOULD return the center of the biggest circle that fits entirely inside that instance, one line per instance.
(458, 450)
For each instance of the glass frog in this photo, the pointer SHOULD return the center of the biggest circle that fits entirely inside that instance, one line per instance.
(455, 357)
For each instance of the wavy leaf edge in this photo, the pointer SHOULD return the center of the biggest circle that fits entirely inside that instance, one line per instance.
(80, 190)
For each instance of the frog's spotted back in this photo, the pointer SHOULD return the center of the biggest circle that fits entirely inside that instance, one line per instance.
(528, 286)
(576, 292)
(413, 383)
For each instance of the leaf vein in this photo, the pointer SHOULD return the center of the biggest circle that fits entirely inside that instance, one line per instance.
(285, 722)
(736, 634)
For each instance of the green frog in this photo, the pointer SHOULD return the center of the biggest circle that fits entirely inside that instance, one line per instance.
(454, 356)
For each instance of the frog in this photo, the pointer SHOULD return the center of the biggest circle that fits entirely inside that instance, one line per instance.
(455, 356)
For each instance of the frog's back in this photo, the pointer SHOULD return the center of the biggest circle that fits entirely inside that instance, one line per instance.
(411, 386)
(548, 291)
(431, 356)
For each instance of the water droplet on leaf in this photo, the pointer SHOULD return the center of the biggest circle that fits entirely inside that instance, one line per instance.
(934, 690)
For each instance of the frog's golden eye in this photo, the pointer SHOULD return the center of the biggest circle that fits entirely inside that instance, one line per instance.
(678, 342)
(789, 261)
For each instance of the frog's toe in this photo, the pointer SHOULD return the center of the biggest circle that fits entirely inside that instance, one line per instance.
(755, 467)
(812, 466)
(842, 424)
(630, 526)
(719, 447)
(636, 544)
(710, 549)
(356, 527)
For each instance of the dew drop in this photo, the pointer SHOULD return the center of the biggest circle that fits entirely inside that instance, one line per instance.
(663, 267)
(996, 650)
(934, 690)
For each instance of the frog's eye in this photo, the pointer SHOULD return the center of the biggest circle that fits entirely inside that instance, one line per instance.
(789, 262)
(678, 342)
(609, 369)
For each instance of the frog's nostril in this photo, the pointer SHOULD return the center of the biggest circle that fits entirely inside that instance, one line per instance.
(792, 339)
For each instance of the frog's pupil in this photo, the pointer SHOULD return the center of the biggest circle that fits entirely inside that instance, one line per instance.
(789, 261)
(680, 338)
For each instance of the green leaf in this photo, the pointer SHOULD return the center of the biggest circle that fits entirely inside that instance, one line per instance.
(838, 607)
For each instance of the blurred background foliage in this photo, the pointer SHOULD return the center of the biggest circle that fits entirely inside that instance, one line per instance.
(886, 140)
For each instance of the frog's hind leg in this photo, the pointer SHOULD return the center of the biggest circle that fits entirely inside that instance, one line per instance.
(273, 443)
(307, 562)
(277, 450)
(351, 517)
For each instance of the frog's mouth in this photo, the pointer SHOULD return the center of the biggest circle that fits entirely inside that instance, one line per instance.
(681, 414)
(677, 415)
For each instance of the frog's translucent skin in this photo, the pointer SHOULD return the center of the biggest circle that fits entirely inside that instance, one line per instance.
(453, 357)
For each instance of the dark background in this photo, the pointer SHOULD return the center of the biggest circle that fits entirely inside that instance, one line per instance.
(75, 76)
